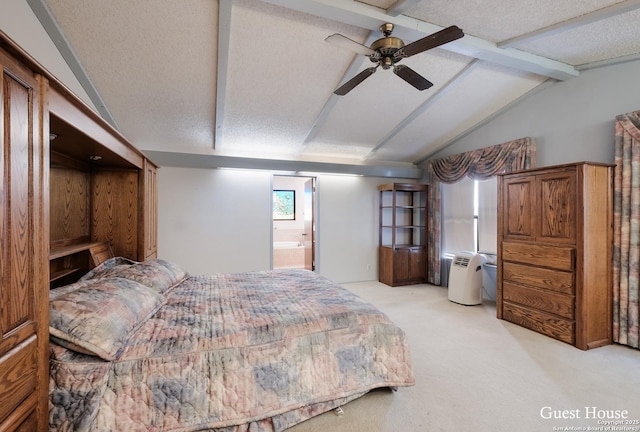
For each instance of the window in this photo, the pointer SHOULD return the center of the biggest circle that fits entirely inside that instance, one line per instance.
(487, 215)
(469, 215)
(284, 204)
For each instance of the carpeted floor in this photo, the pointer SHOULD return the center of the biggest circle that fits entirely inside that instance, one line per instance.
(477, 373)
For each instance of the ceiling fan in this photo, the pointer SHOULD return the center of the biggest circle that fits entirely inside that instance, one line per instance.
(389, 50)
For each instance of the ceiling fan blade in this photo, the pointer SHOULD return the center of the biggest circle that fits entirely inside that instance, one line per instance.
(412, 77)
(349, 85)
(346, 43)
(438, 38)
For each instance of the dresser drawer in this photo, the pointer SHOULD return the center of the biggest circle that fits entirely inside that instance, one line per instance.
(554, 280)
(547, 324)
(17, 376)
(542, 300)
(557, 257)
(24, 418)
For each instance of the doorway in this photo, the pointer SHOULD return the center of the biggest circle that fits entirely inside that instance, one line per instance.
(294, 228)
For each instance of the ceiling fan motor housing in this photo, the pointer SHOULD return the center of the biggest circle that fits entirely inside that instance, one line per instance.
(387, 49)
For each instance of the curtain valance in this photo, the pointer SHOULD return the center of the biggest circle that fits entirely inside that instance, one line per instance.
(483, 163)
(478, 164)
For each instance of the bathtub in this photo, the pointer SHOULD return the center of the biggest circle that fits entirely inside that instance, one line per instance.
(286, 244)
(288, 254)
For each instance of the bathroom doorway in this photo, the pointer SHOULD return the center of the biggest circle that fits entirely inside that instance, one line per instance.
(294, 227)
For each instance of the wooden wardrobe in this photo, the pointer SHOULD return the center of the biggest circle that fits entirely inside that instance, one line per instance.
(555, 250)
(73, 189)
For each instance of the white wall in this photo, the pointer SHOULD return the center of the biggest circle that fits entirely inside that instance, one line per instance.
(348, 227)
(214, 221)
(571, 120)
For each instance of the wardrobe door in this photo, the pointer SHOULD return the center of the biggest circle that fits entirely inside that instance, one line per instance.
(518, 199)
(148, 224)
(557, 204)
(24, 238)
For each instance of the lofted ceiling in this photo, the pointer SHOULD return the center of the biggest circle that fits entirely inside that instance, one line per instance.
(255, 79)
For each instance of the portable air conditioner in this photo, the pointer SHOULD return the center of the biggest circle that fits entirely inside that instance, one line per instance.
(465, 278)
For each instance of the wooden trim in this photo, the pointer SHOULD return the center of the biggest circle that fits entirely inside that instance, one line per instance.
(86, 122)
(41, 225)
(571, 165)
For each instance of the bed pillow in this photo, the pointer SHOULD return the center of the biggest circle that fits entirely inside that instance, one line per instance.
(98, 316)
(108, 267)
(159, 274)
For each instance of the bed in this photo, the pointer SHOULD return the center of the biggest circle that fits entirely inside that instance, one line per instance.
(143, 346)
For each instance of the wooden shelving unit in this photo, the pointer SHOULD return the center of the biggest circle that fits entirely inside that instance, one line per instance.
(402, 233)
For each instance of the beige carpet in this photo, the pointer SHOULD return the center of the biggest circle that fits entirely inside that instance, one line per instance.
(477, 373)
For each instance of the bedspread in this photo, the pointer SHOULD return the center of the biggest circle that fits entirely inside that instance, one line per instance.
(257, 351)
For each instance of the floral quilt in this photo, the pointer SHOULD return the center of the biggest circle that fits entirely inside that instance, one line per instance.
(256, 351)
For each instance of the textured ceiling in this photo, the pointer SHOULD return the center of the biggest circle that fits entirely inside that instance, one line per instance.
(255, 79)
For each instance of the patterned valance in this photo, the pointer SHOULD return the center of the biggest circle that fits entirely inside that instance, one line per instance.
(486, 162)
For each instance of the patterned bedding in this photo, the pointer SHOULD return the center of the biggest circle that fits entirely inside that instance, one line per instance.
(257, 351)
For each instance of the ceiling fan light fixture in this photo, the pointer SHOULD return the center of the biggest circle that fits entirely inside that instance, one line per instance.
(386, 62)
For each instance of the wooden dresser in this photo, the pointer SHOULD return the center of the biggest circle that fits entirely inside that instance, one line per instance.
(555, 251)
(65, 204)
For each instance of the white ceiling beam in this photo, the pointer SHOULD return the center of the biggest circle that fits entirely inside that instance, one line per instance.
(401, 6)
(369, 17)
(608, 62)
(598, 15)
(190, 160)
(352, 70)
(50, 25)
(224, 35)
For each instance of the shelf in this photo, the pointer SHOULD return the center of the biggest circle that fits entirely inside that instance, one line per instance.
(62, 273)
(67, 263)
(402, 187)
(70, 250)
